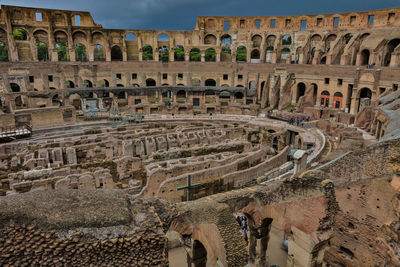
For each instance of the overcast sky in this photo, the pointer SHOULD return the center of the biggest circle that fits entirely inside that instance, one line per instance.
(182, 14)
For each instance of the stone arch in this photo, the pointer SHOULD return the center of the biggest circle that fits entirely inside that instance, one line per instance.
(285, 53)
(365, 96)
(347, 37)
(287, 39)
(15, 88)
(224, 97)
(194, 54)
(150, 82)
(364, 57)
(69, 84)
(167, 94)
(163, 37)
(181, 94)
(390, 47)
(199, 254)
(80, 52)
(241, 54)
(301, 90)
(20, 34)
(316, 38)
(328, 40)
(42, 51)
(98, 37)
(270, 41)
(210, 39)
(179, 53)
(104, 83)
(226, 39)
(147, 52)
(88, 83)
(130, 37)
(79, 37)
(210, 55)
(61, 36)
(210, 82)
(41, 36)
(255, 55)
(98, 53)
(116, 53)
(256, 40)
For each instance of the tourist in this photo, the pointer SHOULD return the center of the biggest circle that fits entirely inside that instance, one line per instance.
(302, 123)
(308, 118)
(298, 120)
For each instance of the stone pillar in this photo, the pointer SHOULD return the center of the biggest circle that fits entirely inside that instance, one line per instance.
(187, 56)
(358, 59)
(203, 56)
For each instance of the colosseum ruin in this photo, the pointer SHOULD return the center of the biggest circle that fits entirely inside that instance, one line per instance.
(248, 141)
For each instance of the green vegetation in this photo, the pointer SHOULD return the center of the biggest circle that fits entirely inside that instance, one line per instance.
(241, 54)
(287, 40)
(43, 53)
(226, 50)
(19, 34)
(62, 52)
(147, 52)
(163, 54)
(210, 54)
(98, 53)
(179, 53)
(3, 52)
(80, 52)
(195, 54)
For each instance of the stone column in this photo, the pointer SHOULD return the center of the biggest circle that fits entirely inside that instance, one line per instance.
(203, 56)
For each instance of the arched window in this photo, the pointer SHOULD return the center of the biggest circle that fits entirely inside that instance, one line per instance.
(3, 52)
(210, 54)
(104, 83)
(147, 52)
(163, 37)
(390, 47)
(325, 99)
(80, 52)
(195, 54)
(62, 52)
(88, 83)
(238, 96)
(241, 54)
(43, 52)
(226, 40)
(179, 53)
(181, 94)
(15, 88)
(130, 37)
(210, 82)
(256, 40)
(20, 35)
(255, 56)
(210, 40)
(301, 90)
(287, 40)
(150, 82)
(337, 100)
(365, 98)
(98, 53)
(116, 53)
(163, 53)
(70, 84)
(364, 57)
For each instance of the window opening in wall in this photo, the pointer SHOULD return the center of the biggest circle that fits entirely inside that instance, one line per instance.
(371, 19)
(258, 23)
(226, 25)
(165, 76)
(180, 75)
(382, 90)
(336, 21)
(272, 23)
(240, 77)
(31, 79)
(50, 78)
(138, 101)
(395, 87)
(353, 20)
(391, 17)
(319, 21)
(242, 22)
(225, 77)
(339, 82)
(326, 80)
(303, 26)
(134, 76)
(77, 20)
(119, 76)
(39, 16)
(287, 22)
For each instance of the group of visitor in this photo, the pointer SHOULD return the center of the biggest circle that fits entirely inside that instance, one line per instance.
(242, 221)
(299, 120)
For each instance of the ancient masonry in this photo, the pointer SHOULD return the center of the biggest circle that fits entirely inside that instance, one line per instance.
(290, 122)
